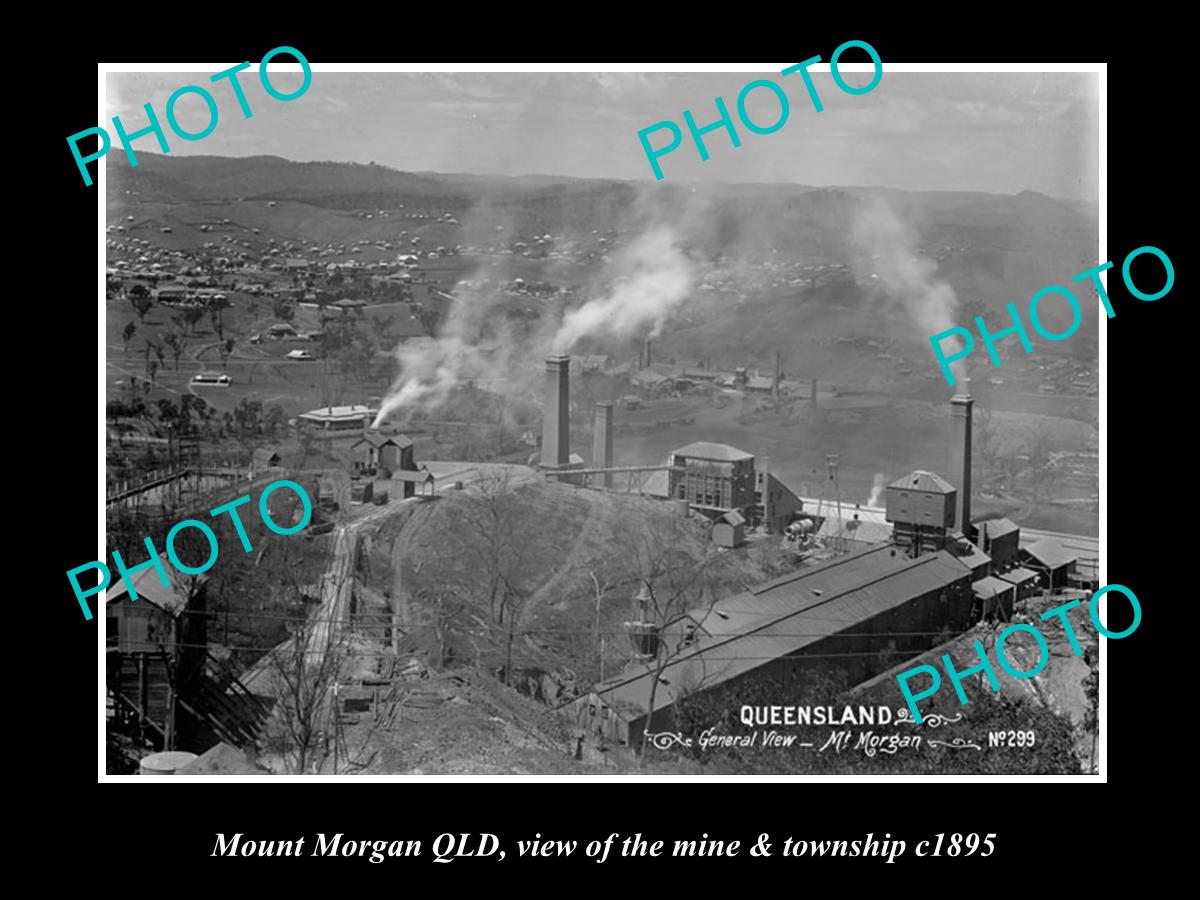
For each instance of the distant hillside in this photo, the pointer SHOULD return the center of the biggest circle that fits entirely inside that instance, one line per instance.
(991, 249)
(798, 218)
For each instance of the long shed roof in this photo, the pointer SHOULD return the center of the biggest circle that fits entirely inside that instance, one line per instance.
(784, 616)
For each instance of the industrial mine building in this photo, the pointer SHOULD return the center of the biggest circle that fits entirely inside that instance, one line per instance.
(921, 576)
(864, 607)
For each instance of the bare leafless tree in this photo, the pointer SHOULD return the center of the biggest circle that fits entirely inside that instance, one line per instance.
(603, 576)
(674, 589)
(305, 669)
(303, 672)
(490, 516)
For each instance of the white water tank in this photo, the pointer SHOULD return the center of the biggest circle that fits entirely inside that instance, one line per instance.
(166, 763)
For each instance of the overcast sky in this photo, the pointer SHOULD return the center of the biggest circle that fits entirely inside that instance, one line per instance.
(1002, 133)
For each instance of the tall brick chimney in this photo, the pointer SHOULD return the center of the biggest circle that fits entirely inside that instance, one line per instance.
(961, 407)
(602, 441)
(556, 418)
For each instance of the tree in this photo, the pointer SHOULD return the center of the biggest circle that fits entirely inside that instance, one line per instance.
(247, 415)
(284, 311)
(191, 316)
(429, 320)
(447, 602)
(141, 302)
(602, 577)
(382, 327)
(491, 515)
(274, 421)
(151, 365)
(176, 344)
(672, 604)
(225, 348)
(305, 672)
(128, 333)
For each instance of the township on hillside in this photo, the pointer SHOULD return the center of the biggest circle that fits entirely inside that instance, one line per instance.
(495, 585)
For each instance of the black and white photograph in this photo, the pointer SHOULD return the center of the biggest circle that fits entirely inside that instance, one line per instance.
(525, 421)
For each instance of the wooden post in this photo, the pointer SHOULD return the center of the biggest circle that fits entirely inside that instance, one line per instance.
(169, 739)
(143, 689)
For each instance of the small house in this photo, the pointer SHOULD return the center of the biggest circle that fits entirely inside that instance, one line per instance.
(156, 621)
(410, 484)
(375, 451)
(729, 530)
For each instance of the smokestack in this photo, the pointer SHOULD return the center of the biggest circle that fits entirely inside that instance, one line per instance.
(556, 419)
(812, 406)
(602, 441)
(961, 407)
(647, 353)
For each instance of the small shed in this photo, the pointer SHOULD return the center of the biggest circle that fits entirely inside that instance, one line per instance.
(1024, 580)
(412, 482)
(1048, 558)
(994, 598)
(1000, 539)
(729, 530)
(156, 620)
(264, 460)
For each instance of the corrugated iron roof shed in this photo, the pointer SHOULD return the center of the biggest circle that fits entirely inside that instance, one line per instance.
(416, 477)
(376, 439)
(1019, 575)
(711, 451)
(989, 586)
(920, 480)
(996, 528)
(173, 599)
(1050, 553)
(865, 530)
(968, 554)
(786, 616)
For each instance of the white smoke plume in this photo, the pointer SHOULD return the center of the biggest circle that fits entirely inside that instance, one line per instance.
(430, 372)
(641, 286)
(877, 487)
(889, 248)
(652, 278)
